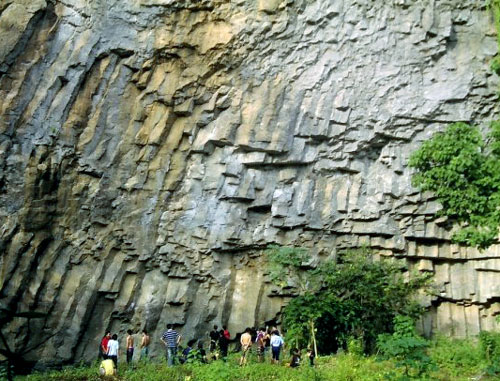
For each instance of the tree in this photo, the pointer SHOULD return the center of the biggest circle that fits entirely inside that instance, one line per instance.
(288, 265)
(408, 349)
(462, 169)
(356, 296)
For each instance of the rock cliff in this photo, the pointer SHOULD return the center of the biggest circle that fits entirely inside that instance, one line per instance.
(151, 149)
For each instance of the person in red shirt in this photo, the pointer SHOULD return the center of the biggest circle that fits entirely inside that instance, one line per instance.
(224, 342)
(226, 333)
(103, 349)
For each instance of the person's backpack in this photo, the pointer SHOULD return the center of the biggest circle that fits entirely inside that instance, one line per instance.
(227, 336)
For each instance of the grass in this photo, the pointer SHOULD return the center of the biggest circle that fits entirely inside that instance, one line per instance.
(457, 360)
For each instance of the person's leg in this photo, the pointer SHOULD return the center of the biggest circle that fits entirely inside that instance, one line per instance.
(274, 355)
(170, 357)
(174, 355)
(223, 351)
(243, 356)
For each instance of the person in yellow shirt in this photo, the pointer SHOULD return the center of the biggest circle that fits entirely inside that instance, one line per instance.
(107, 368)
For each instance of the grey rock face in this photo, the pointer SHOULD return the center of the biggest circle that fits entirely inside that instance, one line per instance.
(151, 149)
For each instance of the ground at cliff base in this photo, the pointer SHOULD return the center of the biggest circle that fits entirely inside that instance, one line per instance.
(457, 360)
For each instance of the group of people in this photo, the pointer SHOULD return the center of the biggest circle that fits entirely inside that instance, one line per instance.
(269, 340)
(109, 350)
(194, 351)
(266, 340)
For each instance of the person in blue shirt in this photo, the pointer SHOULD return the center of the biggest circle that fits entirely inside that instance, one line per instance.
(171, 340)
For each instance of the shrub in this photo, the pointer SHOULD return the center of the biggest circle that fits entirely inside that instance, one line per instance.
(407, 348)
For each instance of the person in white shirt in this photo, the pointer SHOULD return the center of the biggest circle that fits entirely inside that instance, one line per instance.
(113, 351)
(276, 344)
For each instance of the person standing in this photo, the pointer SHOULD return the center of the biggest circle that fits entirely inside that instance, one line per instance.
(171, 340)
(246, 344)
(224, 342)
(113, 350)
(276, 344)
(214, 338)
(267, 341)
(103, 347)
(130, 346)
(145, 344)
(226, 333)
(261, 344)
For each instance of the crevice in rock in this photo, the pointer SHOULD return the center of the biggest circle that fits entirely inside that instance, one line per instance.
(42, 19)
(5, 291)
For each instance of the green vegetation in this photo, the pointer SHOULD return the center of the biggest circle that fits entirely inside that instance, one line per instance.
(407, 349)
(457, 360)
(356, 297)
(490, 346)
(463, 170)
(457, 357)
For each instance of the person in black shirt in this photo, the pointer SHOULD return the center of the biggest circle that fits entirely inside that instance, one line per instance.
(214, 338)
(295, 361)
(224, 343)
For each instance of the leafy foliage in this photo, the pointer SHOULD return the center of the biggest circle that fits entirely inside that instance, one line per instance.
(490, 347)
(355, 346)
(288, 265)
(355, 297)
(463, 171)
(407, 348)
(456, 357)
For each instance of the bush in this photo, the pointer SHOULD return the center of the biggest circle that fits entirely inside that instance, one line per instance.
(407, 348)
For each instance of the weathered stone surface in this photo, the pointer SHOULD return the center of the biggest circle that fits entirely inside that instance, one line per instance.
(150, 150)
